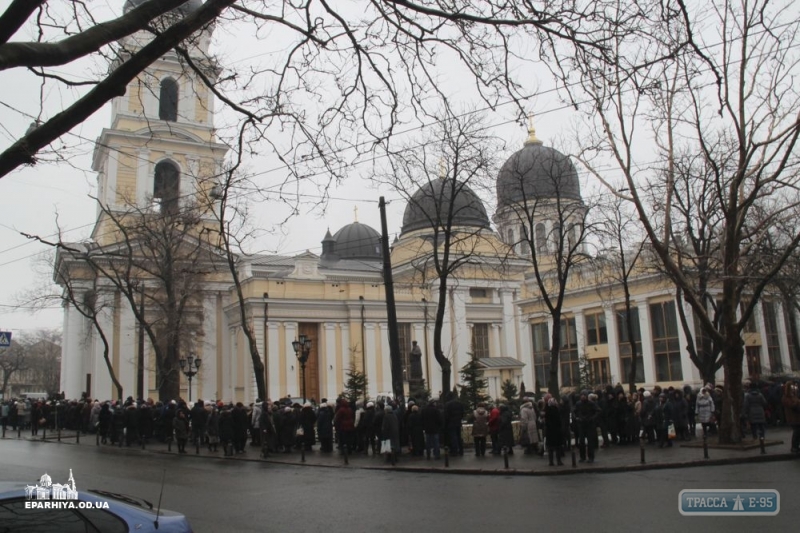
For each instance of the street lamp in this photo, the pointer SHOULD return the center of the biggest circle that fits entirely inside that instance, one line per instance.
(190, 366)
(302, 348)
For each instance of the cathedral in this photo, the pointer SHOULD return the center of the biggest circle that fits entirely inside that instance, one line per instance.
(159, 155)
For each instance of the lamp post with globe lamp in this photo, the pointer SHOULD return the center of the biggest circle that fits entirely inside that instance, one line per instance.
(302, 349)
(190, 366)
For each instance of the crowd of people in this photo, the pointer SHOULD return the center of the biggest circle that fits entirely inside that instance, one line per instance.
(545, 426)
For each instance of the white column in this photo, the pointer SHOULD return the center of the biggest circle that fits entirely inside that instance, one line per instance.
(783, 338)
(526, 353)
(386, 359)
(345, 351)
(144, 177)
(690, 372)
(127, 348)
(110, 176)
(292, 369)
(580, 332)
(463, 335)
(207, 388)
(189, 179)
(496, 333)
(507, 330)
(762, 332)
(71, 352)
(614, 367)
(647, 342)
(105, 319)
(187, 99)
(327, 375)
(372, 360)
(273, 361)
(231, 368)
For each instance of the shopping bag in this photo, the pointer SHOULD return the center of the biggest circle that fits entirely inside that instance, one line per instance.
(386, 446)
(300, 432)
(671, 431)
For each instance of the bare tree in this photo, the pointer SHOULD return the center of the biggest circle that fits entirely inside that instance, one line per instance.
(160, 254)
(617, 266)
(12, 361)
(722, 108)
(44, 360)
(445, 214)
(539, 196)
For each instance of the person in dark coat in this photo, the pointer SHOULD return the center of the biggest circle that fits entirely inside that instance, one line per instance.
(494, 429)
(505, 433)
(391, 432)
(648, 417)
(553, 433)
(226, 431)
(754, 411)
(104, 422)
(681, 415)
(344, 422)
(288, 431)
(240, 425)
(167, 417)
(453, 415)
(131, 423)
(180, 425)
(145, 422)
(267, 428)
(377, 424)
(432, 424)
(366, 426)
(663, 415)
(416, 433)
(325, 427)
(118, 424)
(212, 429)
(198, 415)
(307, 420)
(586, 413)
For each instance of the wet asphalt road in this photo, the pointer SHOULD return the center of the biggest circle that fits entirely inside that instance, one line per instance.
(244, 496)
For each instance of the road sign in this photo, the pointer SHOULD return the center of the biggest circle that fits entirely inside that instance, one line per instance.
(5, 339)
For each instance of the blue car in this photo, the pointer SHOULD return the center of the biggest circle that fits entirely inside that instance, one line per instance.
(22, 510)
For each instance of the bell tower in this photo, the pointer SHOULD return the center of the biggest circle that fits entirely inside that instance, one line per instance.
(160, 153)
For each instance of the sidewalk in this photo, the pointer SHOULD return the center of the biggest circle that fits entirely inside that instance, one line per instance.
(614, 459)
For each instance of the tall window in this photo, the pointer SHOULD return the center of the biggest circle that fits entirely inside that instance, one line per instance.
(480, 340)
(168, 100)
(753, 354)
(773, 339)
(165, 187)
(791, 331)
(541, 354)
(510, 237)
(596, 332)
(404, 339)
(666, 345)
(541, 238)
(625, 337)
(600, 375)
(568, 354)
(750, 325)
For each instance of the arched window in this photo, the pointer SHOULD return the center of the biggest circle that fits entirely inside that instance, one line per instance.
(525, 249)
(541, 238)
(166, 187)
(168, 100)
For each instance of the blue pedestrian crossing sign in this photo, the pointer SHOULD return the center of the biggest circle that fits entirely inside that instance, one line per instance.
(5, 339)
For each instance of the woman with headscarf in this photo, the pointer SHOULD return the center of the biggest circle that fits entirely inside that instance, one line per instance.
(528, 433)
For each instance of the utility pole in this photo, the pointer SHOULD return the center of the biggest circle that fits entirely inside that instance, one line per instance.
(391, 311)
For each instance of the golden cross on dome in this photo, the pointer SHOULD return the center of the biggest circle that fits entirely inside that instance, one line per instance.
(355, 212)
(532, 139)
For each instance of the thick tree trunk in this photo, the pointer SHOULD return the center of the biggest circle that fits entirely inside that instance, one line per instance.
(730, 431)
(170, 386)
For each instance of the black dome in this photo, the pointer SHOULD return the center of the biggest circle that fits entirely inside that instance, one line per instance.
(188, 7)
(537, 172)
(357, 241)
(430, 206)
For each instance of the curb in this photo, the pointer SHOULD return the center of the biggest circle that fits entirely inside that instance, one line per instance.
(544, 472)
